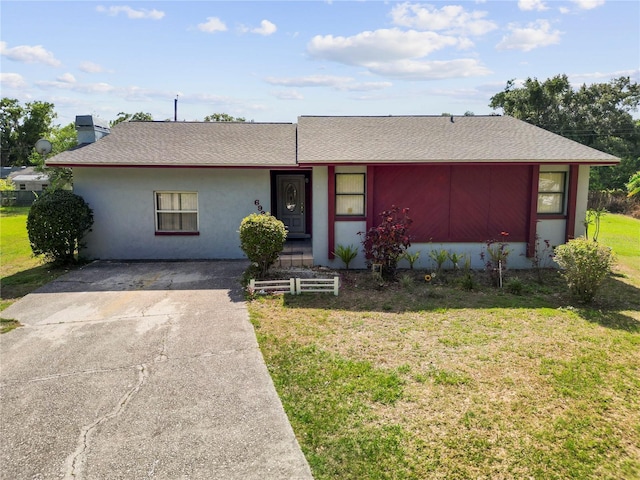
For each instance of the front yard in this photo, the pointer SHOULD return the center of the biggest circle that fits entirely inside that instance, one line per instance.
(423, 380)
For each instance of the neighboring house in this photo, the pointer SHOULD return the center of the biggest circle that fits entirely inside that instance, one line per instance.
(178, 190)
(28, 179)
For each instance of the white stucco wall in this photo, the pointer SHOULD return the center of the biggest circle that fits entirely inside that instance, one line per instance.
(319, 179)
(124, 217)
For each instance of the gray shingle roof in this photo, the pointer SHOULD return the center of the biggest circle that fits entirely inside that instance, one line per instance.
(322, 140)
(200, 144)
(435, 139)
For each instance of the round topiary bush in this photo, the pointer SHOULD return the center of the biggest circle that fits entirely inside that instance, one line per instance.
(262, 240)
(56, 224)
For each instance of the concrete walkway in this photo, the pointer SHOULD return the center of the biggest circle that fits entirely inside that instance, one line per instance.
(140, 370)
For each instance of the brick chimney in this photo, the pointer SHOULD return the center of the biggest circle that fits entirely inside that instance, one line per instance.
(90, 128)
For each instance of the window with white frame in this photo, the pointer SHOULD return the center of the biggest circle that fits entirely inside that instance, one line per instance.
(176, 212)
(350, 194)
(551, 191)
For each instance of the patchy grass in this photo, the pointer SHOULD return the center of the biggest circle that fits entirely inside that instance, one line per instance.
(6, 325)
(415, 380)
(20, 271)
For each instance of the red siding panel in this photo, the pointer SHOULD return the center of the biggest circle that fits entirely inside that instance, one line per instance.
(509, 203)
(457, 203)
(470, 200)
(422, 189)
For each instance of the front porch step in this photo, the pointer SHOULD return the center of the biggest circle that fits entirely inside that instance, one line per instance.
(296, 253)
(294, 260)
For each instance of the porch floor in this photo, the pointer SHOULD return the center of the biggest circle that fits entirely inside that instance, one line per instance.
(296, 253)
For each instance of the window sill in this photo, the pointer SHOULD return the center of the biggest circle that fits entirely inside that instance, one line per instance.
(350, 218)
(177, 234)
(551, 216)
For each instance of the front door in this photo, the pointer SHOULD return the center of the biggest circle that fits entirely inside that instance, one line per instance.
(291, 207)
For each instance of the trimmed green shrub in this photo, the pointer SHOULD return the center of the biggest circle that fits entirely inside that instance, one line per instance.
(585, 265)
(56, 224)
(262, 238)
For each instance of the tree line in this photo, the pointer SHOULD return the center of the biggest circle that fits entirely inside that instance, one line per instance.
(598, 115)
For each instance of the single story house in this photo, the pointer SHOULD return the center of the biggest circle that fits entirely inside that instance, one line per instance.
(28, 179)
(179, 190)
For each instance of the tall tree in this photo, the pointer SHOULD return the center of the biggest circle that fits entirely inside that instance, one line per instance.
(596, 115)
(223, 117)
(131, 117)
(21, 127)
(61, 138)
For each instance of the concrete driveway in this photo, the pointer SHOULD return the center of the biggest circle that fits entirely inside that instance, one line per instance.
(140, 370)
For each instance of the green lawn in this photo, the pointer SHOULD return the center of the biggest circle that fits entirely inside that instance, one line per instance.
(414, 380)
(20, 271)
(622, 234)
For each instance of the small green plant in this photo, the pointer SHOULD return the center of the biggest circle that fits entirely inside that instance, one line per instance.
(412, 258)
(515, 286)
(406, 281)
(542, 257)
(585, 265)
(56, 224)
(262, 238)
(346, 254)
(467, 282)
(440, 257)
(459, 258)
(593, 217)
(495, 258)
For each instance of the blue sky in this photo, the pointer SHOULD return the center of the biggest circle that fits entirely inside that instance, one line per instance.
(273, 61)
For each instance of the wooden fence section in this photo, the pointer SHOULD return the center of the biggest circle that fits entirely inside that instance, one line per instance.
(273, 286)
(296, 286)
(326, 285)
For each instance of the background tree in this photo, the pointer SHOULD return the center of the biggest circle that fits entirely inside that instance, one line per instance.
(62, 139)
(131, 117)
(21, 127)
(633, 187)
(596, 115)
(223, 117)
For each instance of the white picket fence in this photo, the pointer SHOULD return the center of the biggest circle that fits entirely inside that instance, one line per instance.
(296, 286)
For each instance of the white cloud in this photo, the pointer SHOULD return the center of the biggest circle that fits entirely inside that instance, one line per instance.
(12, 80)
(367, 86)
(453, 19)
(76, 87)
(310, 81)
(131, 13)
(588, 4)
(337, 83)
(288, 95)
(537, 5)
(564, 10)
(430, 70)
(534, 35)
(265, 28)
(379, 46)
(90, 67)
(212, 25)
(29, 54)
(600, 77)
(66, 78)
